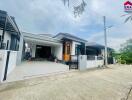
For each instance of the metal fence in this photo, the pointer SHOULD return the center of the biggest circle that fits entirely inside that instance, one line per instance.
(89, 57)
(99, 57)
(92, 57)
(73, 63)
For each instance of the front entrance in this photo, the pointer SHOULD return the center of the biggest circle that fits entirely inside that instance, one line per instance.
(43, 51)
(66, 51)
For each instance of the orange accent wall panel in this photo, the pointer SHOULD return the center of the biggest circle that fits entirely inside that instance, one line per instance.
(66, 57)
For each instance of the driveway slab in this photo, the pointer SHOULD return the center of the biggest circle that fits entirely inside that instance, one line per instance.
(35, 69)
(112, 83)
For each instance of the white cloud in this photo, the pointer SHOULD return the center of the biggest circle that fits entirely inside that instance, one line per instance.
(116, 35)
(120, 32)
(51, 16)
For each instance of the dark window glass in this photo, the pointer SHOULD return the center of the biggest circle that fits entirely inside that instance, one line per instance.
(7, 45)
(68, 48)
(76, 50)
(0, 38)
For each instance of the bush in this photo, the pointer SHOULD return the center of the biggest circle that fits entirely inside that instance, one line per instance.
(123, 62)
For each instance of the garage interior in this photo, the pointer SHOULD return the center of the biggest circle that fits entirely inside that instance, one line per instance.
(43, 52)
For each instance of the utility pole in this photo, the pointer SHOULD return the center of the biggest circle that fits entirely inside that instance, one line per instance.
(105, 40)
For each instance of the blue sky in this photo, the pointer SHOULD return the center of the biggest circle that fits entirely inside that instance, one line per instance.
(51, 16)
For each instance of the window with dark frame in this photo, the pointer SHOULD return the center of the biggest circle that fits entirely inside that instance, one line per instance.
(68, 48)
(7, 45)
(76, 49)
(0, 38)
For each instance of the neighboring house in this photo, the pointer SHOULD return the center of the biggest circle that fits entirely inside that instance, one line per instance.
(72, 45)
(9, 32)
(10, 36)
(94, 49)
(10, 49)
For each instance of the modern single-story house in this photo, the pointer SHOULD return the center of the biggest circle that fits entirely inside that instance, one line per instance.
(94, 49)
(62, 45)
(72, 45)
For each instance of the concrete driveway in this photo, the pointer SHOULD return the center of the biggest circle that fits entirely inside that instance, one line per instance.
(113, 83)
(36, 69)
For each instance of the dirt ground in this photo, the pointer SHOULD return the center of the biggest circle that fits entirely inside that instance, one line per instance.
(113, 83)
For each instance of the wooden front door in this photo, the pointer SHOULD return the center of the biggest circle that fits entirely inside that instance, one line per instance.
(67, 51)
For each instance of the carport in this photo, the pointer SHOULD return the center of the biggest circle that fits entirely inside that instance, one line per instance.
(30, 69)
(42, 46)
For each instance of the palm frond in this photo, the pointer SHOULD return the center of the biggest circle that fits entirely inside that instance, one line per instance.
(131, 18)
(128, 18)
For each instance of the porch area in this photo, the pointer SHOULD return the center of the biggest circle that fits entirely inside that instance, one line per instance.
(30, 69)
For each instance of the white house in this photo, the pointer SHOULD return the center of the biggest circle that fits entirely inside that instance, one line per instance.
(62, 46)
(72, 45)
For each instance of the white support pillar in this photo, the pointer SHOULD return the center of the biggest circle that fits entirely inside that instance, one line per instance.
(82, 62)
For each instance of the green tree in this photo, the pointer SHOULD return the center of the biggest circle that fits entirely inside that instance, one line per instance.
(126, 52)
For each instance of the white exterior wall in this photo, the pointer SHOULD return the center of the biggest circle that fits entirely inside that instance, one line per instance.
(57, 51)
(20, 51)
(87, 64)
(82, 62)
(94, 63)
(11, 63)
(33, 50)
(3, 56)
(0, 32)
(73, 47)
(102, 52)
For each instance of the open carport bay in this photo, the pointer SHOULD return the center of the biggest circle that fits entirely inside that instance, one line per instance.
(31, 69)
